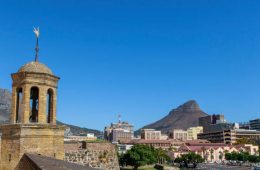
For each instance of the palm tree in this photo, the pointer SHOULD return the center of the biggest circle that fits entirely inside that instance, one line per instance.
(211, 154)
(203, 152)
(220, 155)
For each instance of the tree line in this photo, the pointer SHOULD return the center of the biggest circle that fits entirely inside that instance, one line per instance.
(140, 155)
(242, 156)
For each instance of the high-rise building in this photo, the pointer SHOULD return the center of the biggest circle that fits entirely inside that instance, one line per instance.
(255, 124)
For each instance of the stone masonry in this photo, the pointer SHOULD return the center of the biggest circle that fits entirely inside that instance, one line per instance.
(101, 155)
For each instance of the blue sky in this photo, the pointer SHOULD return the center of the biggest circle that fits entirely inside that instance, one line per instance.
(139, 58)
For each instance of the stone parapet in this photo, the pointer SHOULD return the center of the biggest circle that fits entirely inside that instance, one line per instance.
(97, 155)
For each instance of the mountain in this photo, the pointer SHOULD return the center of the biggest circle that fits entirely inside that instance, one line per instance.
(76, 130)
(5, 110)
(182, 117)
(5, 105)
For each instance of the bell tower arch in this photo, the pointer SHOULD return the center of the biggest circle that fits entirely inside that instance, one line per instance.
(35, 88)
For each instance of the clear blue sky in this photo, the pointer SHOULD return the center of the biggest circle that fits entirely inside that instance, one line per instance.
(139, 58)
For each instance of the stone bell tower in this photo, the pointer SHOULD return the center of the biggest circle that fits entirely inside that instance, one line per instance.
(32, 127)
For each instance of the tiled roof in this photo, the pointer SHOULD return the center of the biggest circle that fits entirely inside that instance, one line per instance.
(48, 163)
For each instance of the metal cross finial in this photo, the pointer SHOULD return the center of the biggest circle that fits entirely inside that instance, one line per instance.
(37, 33)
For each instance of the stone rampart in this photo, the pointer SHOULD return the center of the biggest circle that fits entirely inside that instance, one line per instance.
(100, 155)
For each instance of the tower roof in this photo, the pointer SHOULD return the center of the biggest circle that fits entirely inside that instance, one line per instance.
(35, 67)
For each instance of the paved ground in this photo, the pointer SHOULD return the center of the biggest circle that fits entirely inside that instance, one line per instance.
(221, 167)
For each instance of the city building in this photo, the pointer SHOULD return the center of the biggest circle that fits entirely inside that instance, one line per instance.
(118, 132)
(215, 123)
(164, 137)
(214, 152)
(123, 148)
(150, 134)
(255, 124)
(164, 144)
(212, 122)
(178, 134)
(193, 132)
(230, 136)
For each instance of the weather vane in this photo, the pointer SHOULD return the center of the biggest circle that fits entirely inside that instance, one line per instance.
(37, 33)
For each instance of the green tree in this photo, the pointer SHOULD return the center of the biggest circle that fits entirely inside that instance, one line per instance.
(244, 140)
(242, 156)
(190, 158)
(204, 152)
(139, 155)
(161, 155)
(220, 155)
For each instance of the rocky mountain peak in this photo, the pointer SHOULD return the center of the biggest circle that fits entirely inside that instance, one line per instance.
(189, 106)
(183, 117)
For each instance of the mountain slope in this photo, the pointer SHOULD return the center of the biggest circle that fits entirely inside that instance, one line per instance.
(5, 110)
(5, 105)
(76, 130)
(182, 117)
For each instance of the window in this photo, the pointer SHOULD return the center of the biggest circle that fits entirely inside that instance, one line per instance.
(49, 110)
(34, 105)
(19, 97)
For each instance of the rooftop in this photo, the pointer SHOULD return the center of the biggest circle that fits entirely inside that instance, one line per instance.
(48, 163)
(35, 67)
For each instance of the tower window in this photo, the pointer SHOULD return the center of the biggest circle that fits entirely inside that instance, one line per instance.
(34, 104)
(19, 97)
(49, 103)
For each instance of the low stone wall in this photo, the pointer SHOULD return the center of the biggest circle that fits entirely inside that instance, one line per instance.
(97, 155)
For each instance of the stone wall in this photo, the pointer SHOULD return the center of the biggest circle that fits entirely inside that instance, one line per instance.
(18, 139)
(100, 155)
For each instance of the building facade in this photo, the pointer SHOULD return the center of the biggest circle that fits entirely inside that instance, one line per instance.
(150, 134)
(178, 134)
(118, 132)
(230, 136)
(193, 132)
(255, 124)
(208, 122)
(214, 152)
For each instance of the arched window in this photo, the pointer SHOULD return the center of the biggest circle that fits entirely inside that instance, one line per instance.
(34, 104)
(19, 97)
(49, 110)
